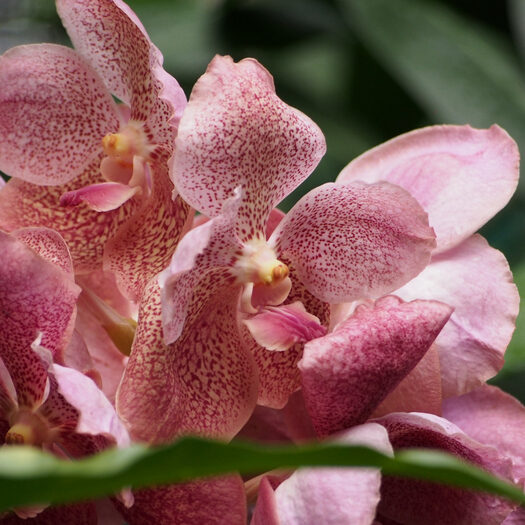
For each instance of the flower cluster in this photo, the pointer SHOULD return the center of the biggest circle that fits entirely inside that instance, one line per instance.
(370, 313)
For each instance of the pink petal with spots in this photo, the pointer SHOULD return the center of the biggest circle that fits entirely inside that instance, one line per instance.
(215, 501)
(493, 418)
(474, 279)
(54, 111)
(419, 391)
(79, 514)
(96, 414)
(326, 496)
(49, 244)
(279, 376)
(167, 391)
(439, 165)
(144, 246)
(355, 241)
(237, 132)
(105, 196)
(347, 373)
(85, 231)
(36, 297)
(415, 502)
(280, 327)
(8, 397)
(111, 37)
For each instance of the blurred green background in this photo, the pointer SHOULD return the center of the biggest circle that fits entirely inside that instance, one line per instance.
(364, 70)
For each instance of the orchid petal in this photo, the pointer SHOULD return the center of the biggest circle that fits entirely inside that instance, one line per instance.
(84, 230)
(216, 501)
(474, 279)
(419, 391)
(347, 373)
(105, 196)
(266, 425)
(79, 514)
(36, 297)
(414, 502)
(111, 37)
(167, 390)
(54, 111)
(265, 512)
(144, 245)
(355, 241)
(235, 132)
(8, 396)
(494, 418)
(325, 496)
(279, 328)
(439, 165)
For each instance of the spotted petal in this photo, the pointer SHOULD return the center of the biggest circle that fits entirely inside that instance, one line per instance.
(54, 111)
(355, 241)
(237, 132)
(439, 165)
(347, 373)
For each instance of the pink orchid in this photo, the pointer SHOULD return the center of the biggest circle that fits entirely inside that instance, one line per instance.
(60, 126)
(239, 151)
(483, 427)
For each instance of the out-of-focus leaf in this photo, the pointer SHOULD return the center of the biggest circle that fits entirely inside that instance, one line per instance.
(29, 476)
(459, 71)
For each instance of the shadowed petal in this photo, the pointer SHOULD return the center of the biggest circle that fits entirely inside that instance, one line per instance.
(475, 279)
(204, 383)
(54, 111)
(237, 132)
(439, 165)
(79, 514)
(347, 373)
(415, 502)
(355, 241)
(111, 37)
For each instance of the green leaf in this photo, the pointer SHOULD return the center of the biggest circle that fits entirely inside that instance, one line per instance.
(29, 476)
(458, 71)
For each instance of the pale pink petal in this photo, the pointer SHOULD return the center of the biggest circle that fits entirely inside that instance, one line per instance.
(262, 295)
(278, 373)
(2, 182)
(167, 390)
(96, 414)
(280, 327)
(329, 496)
(144, 245)
(76, 355)
(347, 373)
(36, 298)
(355, 241)
(265, 512)
(494, 418)
(439, 166)
(419, 391)
(476, 281)
(235, 132)
(49, 244)
(111, 37)
(414, 502)
(85, 231)
(105, 196)
(54, 111)
(215, 501)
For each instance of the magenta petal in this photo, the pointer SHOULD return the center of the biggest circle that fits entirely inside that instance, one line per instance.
(355, 241)
(8, 396)
(105, 196)
(54, 111)
(325, 496)
(36, 298)
(494, 418)
(474, 279)
(216, 501)
(79, 514)
(347, 373)
(237, 132)
(415, 502)
(111, 37)
(439, 165)
(96, 414)
(167, 390)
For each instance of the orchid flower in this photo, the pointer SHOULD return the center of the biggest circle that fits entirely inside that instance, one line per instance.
(65, 142)
(238, 152)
